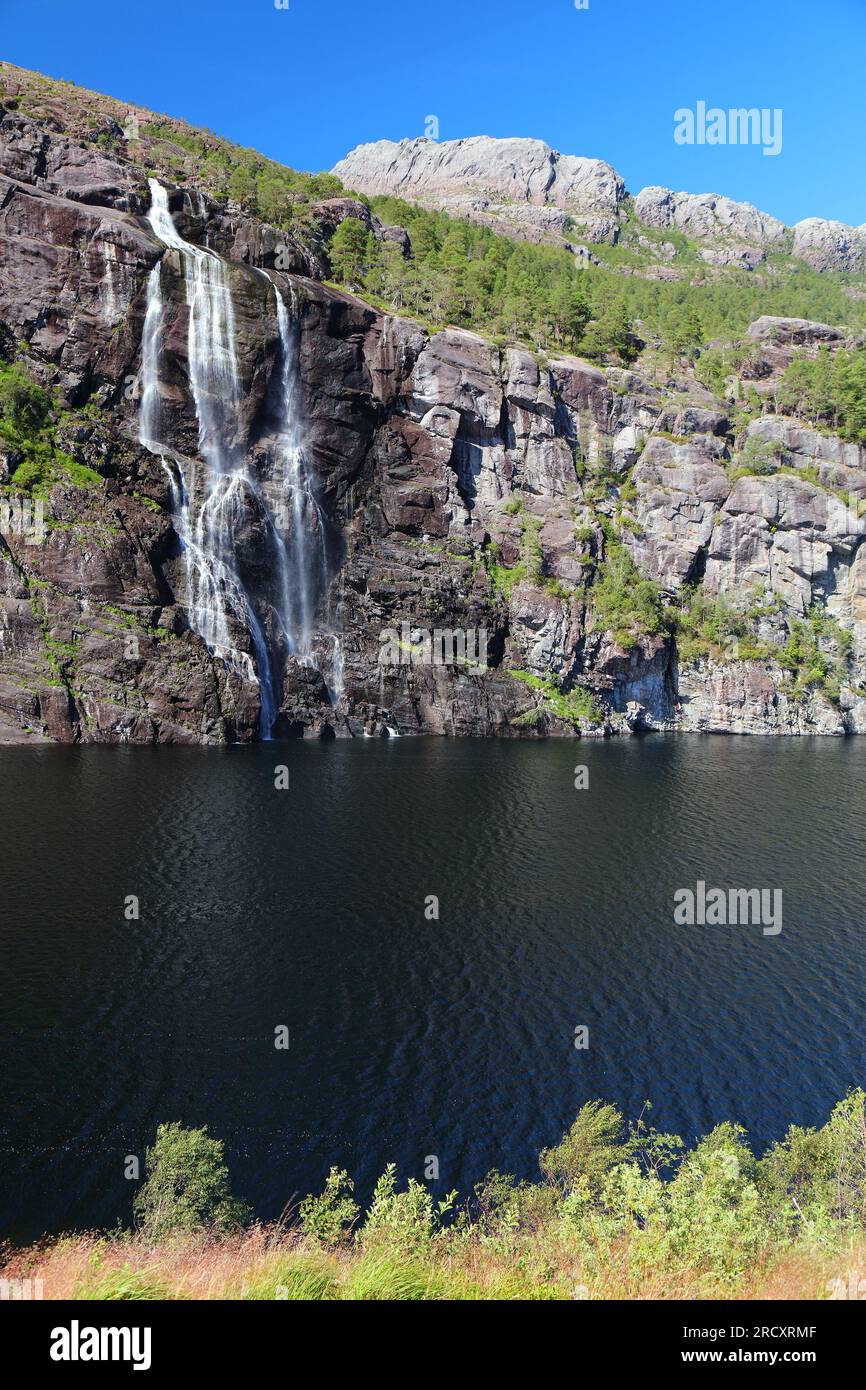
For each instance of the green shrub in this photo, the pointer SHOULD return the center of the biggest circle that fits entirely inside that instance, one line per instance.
(503, 579)
(331, 1216)
(28, 428)
(817, 1177)
(531, 554)
(25, 407)
(626, 604)
(187, 1185)
(758, 457)
(721, 626)
(406, 1221)
(591, 1147)
(623, 1213)
(573, 705)
(817, 655)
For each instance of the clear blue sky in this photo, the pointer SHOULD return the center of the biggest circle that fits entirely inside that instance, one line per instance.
(307, 84)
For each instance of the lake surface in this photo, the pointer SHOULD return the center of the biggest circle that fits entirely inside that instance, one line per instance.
(412, 1037)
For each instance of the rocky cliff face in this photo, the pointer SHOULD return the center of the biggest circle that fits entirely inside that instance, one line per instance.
(455, 485)
(521, 186)
(829, 245)
(730, 233)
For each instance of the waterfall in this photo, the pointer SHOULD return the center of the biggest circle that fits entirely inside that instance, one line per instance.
(210, 512)
(215, 591)
(211, 588)
(337, 683)
(301, 515)
(148, 420)
(213, 365)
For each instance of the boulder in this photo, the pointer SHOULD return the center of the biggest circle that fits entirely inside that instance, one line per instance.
(793, 332)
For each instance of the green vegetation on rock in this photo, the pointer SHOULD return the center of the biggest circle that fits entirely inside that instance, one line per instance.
(722, 627)
(817, 655)
(271, 191)
(28, 435)
(625, 603)
(572, 705)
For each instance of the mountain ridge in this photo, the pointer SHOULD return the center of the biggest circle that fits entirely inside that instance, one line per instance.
(484, 176)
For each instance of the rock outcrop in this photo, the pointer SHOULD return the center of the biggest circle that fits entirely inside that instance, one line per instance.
(708, 216)
(829, 245)
(517, 185)
(798, 333)
(741, 235)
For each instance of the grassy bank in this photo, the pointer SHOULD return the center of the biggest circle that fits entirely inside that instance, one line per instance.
(268, 1264)
(620, 1212)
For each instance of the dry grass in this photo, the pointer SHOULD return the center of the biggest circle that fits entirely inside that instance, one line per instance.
(268, 1263)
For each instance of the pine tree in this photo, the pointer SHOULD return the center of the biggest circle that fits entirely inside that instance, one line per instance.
(352, 251)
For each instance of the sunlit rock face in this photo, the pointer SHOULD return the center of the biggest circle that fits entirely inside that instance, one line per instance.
(515, 184)
(706, 216)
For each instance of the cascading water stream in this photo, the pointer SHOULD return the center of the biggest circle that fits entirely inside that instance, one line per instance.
(213, 365)
(208, 532)
(215, 591)
(148, 417)
(338, 665)
(307, 573)
(307, 562)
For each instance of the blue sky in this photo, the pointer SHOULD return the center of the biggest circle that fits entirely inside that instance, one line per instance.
(306, 84)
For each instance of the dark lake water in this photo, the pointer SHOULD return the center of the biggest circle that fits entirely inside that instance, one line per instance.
(411, 1037)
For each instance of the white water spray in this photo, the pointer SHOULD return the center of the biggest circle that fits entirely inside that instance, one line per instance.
(338, 663)
(148, 419)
